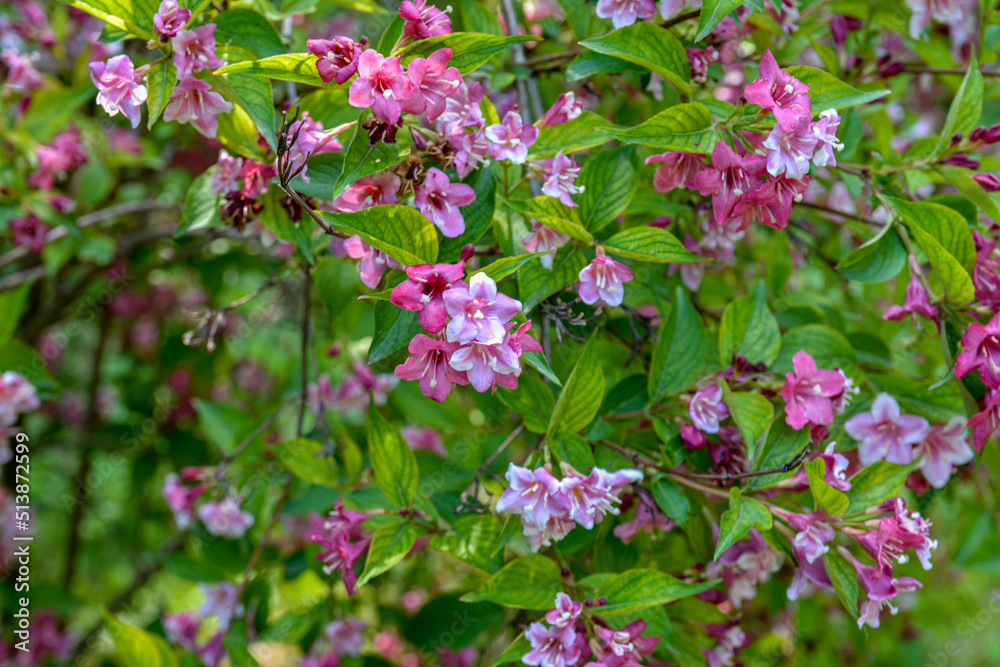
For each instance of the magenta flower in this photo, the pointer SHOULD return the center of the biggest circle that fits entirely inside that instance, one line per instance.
(916, 301)
(374, 190)
(602, 281)
(342, 540)
(624, 647)
(647, 518)
(565, 612)
(988, 182)
(510, 139)
(170, 19)
(596, 495)
(224, 518)
(884, 433)
(181, 629)
(812, 534)
(809, 392)
(783, 94)
(462, 110)
(533, 493)
(707, 409)
(984, 424)
(374, 262)
(440, 200)
(808, 572)
(544, 238)
(981, 350)
(551, 646)
(194, 50)
(428, 365)
(470, 150)
(337, 58)
(836, 468)
(626, 12)
(255, 176)
(433, 83)
(181, 499)
(119, 89)
(771, 203)
(421, 20)
(28, 232)
(421, 438)
(57, 159)
(559, 174)
(789, 151)
(21, 72)
(728, 179)
(743, 566)
(678, 169)
(381, 85)
(565, 109)
(423, 291)
(691, 436)
(193, 101)
(478, 311)
(825, 130)
(943, 448)
(895, 534)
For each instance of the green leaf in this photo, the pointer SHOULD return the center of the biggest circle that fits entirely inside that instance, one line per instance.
(752, 413)
(471, 539)
(469, 50)
(828, 92)
(532, 399)
(303, 459)
(139, 648)
(394, 329)
(552, 212)
(833, 501)
(964, 183)
(519, 648)
(827, 346)
(248, 30)
(684, 127)
(634, 590)
(536, 283)
(337, 283)
(390, 544)
(400, 231)
(159, 85)
(51, 109)
(649, 244)
(581, 398)
(680, 351)
(743, 515)
(576, 451)
(478, 215)
(222, 424)
(651, 46)
(237, 131)
(672, 500)
(845, 580)
(505, 266)
(12, 304)
(610, 183)
(966, 108)
(590, 63)
(576, 135)
(300, 67)
(537, 361)
(958, 286)
(392, 459)
(201, 205)
(253, 95)
(878, 260)
(948, 227)
(875, 484)
(781, 446)
(749, 329)
(362, 159)
(713, 11)
(530, 582)
(132, 16)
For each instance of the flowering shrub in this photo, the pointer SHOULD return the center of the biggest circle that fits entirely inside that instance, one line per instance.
(551, 333)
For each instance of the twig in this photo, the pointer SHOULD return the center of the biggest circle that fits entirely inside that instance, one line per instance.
(474, 484)
(680, 19)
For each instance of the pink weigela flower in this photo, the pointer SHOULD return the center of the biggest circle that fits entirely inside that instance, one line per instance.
(825, 130)
(17, 396)
(544, 238)
(836, 468)
(678, 169)
(943, 448)
(783, 94)
(551, 646)
(194, 50)
(478, 311)
(375, 190)
(884, 433)
(337, 58)
(224, 518)
(428, 365)
(728, 179)
(56, 159)
(981, 350)
(28, 232)
(809, 392)
(812, 534)
(342, 539)
(381, 85)
(421, 20)
(433, 82)
(421, 438)
(181, 499)
(374, 262)
(565, 109)
(559, 175)
(423, 291)
(119, 89)
(707, 409)
(789, 151)
(510, 139)
(602, 281)
(193, 101)
(170, 19)
(897, 533)
(626, 12)
(440, 200)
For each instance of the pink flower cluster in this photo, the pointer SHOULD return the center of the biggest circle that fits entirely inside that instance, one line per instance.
(550, 508)
(812, 396)
(222, 518)
(183, 628)
(339, 639)
(981, 351)
(17, 397)
(57, 159)
(342, 539)
(353, 393)
(623, 648)
(563, 642)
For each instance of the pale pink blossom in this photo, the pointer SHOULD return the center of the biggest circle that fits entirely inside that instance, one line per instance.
(471, 148)
(533, 493)
(428, 365)
(222, 600)
(671, 8)
(825, 130)
(789, 151)
(916, 301)
(462, 110)
(602, 281)
(880, 587)
(836, 468)
(648, 518)
(21, 72)
(542, 238)
(743, 566)
(565, 611)
(559, 176)
(551, 646)
(812, 534)
(678, 169)
(885, 433)
(593, 496)
(170, 19)
(422, 438)
(626, 12)
(311, 139)
(706, 408)
(193, 101)
(943, 448)
(224, 518)
(181, 499)
(423, 290)
(375, 190)
(478, 311)
(17, 396)
(625, 647)
(440, 201)
(783, 94)
(948, 12)
(119, 89)
(194, 50)
(510, 139)
(374, 262)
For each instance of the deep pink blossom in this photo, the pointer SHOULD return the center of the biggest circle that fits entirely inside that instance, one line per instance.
(193, 101)
(707, 409)
(194, 50)
(433, 82)
(565, 109)
(423, 290)
(28, 232)
(510, 139)
(255, 176)
(544, 238)
(559, 175)
(988, 182)
(381, 85)
(602, 281)
(551, 646)
(692, 437)
(783, 94)
(478, 311)
(224, 518)
(789, 151)
(375, 190)
(428, 365)
(422, 20)
(118, 88)
(181, 499)
(440, 200)
(884, 433)
(808, 392)
(771, 202)
(374, 262)
(170, 19)
(647, 518)
(730, 177)
(916, 301)
(678, 169)
(56, 159)
(897, 533)
(981, 350)
(985, 423)
(342, 540)
(337, 58)
(471, 148)
(422, 438)
(626, 12)
(624, 648)
(181, 629)
(21, 72)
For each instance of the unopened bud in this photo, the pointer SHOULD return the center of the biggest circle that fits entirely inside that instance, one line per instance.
(956, 139)
(989, 182)
(978, 134)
